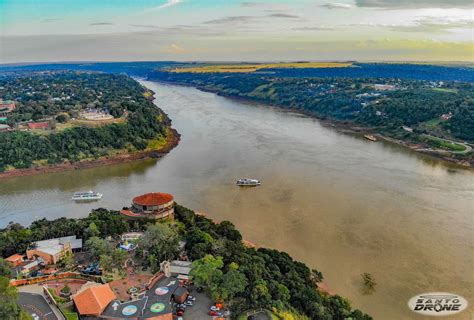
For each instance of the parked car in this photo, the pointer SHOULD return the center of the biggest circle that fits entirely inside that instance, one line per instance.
(35, 316)
(189, 303)
(214, 308)
(213, 313)
(191, 298)
(180, 313)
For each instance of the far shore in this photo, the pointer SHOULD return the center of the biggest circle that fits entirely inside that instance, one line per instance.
(172, 140)
(347, 127)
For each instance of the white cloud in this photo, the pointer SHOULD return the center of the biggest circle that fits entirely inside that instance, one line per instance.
(167, 4)
(174, 48)
(336, 5)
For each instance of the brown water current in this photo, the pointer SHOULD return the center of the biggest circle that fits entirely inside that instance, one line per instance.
(337, 202)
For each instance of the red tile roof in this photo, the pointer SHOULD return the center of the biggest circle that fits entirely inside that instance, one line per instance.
(130, 213)
(38, 125)
(14, 258)
(94, 300)
(153, 199)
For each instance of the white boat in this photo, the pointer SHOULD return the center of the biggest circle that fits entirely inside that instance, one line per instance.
(86, 196)
(245, 182)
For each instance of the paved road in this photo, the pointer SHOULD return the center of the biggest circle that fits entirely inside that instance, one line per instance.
(36, 304)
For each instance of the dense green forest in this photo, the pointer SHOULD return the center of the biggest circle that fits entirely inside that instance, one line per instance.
(384, 104)
(44, 96)
(256, 277)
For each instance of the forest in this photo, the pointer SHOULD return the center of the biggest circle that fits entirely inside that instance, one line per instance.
(247, 277)
(60, 96)
(380, 103)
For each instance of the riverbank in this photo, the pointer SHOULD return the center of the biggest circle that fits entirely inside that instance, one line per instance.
(172, 140)
(349, 127)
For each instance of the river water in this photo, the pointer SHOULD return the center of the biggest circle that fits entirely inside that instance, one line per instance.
(339, 203)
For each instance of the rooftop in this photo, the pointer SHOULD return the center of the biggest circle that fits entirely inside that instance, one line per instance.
(15, 257)
(153, 199)
(54, 246)
(94, 300)
(38, 125)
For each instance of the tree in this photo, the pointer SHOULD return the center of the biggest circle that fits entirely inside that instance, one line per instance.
(67, 261)
(4, 268)
(106, 262)
(207, 271)
(61, 118)
(160, 240)
(66, 290)
(316, 276)
(92, 230)
(368, 283)
(233, 282)
(97, 247)
(9, 308)
(118, 257)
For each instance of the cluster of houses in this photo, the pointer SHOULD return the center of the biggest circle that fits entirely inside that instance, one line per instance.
(157, 296)
(42, 254)
(6, 108)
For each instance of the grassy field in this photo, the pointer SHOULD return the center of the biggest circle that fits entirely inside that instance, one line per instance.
(446, 90)
(444, 144)
(231, 68)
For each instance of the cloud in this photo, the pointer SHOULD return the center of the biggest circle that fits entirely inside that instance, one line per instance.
(167, 4)
(424, 24)
(336, 5)
(314, 28)
(233, 20)
(400, 4)
(101, 24)
(249, 4)
(230, 20)
(283, 15)
(174, 48)
(432, 25)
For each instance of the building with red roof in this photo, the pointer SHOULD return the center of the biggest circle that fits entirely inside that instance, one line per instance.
(6, 107)
(15, 260)
(38, 125)
(154, 205)
(93, 301)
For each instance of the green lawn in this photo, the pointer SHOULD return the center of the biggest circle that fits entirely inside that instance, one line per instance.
(443, 144)
(69, 313)
(446, 90)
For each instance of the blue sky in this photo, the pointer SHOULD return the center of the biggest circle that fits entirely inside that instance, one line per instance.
(233, 30)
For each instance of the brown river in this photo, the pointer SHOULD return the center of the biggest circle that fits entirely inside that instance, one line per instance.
(339, 203)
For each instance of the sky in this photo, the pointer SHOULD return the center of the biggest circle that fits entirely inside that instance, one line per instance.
(233, 30)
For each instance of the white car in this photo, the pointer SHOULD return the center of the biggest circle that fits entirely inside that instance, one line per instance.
(35, 316)
(214, 308)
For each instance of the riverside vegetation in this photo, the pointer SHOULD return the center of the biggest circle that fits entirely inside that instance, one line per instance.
(414, 112)
(59, 98)
(244, 278)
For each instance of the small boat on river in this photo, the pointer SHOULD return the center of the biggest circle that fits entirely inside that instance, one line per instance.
(370, 137)
(245, 182)
(87, 196)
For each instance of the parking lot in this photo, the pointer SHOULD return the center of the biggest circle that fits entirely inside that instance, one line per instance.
(200, 308)
(35, 304)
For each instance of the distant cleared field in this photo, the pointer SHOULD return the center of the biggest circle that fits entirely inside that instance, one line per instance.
(230, 68)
